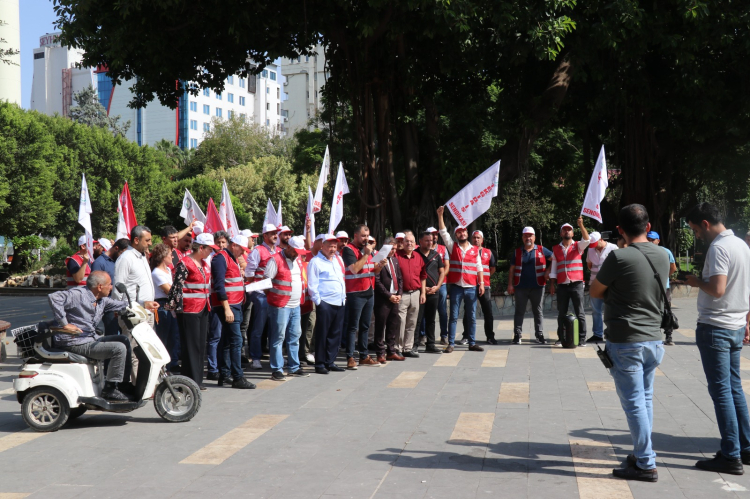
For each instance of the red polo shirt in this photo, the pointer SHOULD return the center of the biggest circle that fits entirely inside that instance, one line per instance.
(412, 270)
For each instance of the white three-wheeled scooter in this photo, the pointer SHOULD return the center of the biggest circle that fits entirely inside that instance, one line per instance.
(55, 385)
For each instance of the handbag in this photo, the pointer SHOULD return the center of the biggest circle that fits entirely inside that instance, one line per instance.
(668, 319)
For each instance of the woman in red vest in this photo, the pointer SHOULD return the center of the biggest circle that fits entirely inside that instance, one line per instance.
(189, 296)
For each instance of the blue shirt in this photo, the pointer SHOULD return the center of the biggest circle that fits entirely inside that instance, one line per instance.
(671, 260)
(105, 263)
(325, 280)
(528, 266)
(78, 306)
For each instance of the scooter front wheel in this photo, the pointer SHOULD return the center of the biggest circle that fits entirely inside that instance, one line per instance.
(45, 409)
(185, 406)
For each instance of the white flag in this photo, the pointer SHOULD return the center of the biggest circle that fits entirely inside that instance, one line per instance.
(190, 210)
(226, 212)
(475, 198)
(597, 188)
(310, 215)
(325, 170)
(84, 218)
(279, 222)
(337, 206)
(270, 217)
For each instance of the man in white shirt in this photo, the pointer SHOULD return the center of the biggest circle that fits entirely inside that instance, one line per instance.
(599, 250)
(133, 270)
(566, 278)
(723, 306)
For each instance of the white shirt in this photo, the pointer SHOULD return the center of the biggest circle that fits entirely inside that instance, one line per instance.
(132, 269)
(160, 277)
(272, 270)
(728, 255)
(582, 245)
(254, 260)
(597, 258)
(448, 240)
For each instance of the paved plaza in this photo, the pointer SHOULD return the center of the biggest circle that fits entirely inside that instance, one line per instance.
(514, 421)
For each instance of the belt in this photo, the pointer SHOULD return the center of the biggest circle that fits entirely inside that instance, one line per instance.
(412, 291)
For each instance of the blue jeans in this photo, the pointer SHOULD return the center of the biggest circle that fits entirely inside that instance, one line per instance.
(257, 323)
(358, 318)
(212, 341)
(720, 353)
(230, 345)
(284, 328)
(168, 331)
(442, 311)
(598, 305)
(469, 297)
(633, 372)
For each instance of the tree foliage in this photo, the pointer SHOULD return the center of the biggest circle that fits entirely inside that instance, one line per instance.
(89, 111)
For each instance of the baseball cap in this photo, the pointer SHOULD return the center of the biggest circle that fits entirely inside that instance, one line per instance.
(241, 241)
(269, 228)
(653, 235)
(478, 232)
(320, 237)
(284, 228)
(342, 235)
(329, 237)
(82, 240)
(206, 239)
(528, 230)
(400, 235)
(431, 230)
(297, 242)
(246, 233)
(459, 228)
(198, 228)
(105, 243)
(594, 237)
(565, 225)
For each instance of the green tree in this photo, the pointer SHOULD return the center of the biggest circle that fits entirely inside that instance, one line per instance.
(202, 188)
(89, 111)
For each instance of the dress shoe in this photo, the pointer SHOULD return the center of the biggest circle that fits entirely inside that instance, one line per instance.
(351, 364)
(394, 356)
(212, 376)
(243, 384)
(721, 464)
(110, 392)
(492, 341)
(448, 349)
(299, 373)
(367, 361)
(635, 473)
(335, 368)
(381, 359)
(412, 354)
(443, 340)
(476, 348)
(203, 388)
(321, 370)
(433, 350)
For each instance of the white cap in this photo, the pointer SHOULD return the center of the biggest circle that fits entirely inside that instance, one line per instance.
(565, 225)
(320, 237)
(246, 233)
(105, 243)
(198, 227)
(342, 235)
(329, 237)
(431, 230)
(400, 235)
(241, 240)
(459, 228)
(528, 230)
(284, 228)
(269, 228)
(297, 242)
(594, 238)
(206, 239)
(81, 240)
(370, 238)
(481, 234)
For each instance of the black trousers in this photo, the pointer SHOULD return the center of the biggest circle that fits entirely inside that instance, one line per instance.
(329, 324)
(306, 339)
(484, 301)
(427, 311)
(193, 334)
(387, 325)
(566, 294)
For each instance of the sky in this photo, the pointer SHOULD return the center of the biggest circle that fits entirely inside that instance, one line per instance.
(37, 18)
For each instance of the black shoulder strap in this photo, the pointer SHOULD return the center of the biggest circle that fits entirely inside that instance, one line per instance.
(658, 278)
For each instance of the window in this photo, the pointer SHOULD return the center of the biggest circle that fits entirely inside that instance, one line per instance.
(206, 127)
(230, 79)
(218, 96)
(193, 143)
(298, 59)
(218, 112)
(265, 73)
(206, 109)
(273, 75)
(206, 92)
(278, 108)
(307, 58)
(268, 106)
(268, 122)
(242, 83)
(230, 113)
(277, 93)
(194, 124)
(242, 101)
(268, 90)
(194, 106)
(230, 97)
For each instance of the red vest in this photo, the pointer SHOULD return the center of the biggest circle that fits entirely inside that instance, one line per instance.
(196, 289)
(485, 254)
(265, 255)
(281, 292)
(363, 280)
(442, 251)
(463, 267)
(570, 268)
(540, 264)
(79, 259)
(233, 282)
(307, 306)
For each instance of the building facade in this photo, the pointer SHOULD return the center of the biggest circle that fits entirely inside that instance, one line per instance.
(305, 78)
(267, 104)
(10, 31)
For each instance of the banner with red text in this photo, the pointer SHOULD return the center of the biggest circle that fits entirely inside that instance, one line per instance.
(597, 189)
(475, 198)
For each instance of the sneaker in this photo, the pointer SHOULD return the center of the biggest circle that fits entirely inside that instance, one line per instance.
(243, 384)
(540, 339)
(582, 343)
(299, 373)
(256, 365)
(668, 340)
(310, 359)
(433, 350)
(558, 343)
(351, 364)
(721, 464)
(516, 339)
(463, 342)
(635, 473)
(278, 376)
(111, 393)
(212, 376)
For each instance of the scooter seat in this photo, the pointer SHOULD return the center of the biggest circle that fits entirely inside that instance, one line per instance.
(59, 356)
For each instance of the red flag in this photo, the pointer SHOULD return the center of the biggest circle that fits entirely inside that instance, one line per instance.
(126, 218)
(213, 221)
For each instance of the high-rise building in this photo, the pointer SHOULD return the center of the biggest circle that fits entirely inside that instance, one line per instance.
(268, 100)
(10, 31)
(305, 78)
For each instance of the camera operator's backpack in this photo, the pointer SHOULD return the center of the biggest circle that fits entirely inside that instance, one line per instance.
(570, 332)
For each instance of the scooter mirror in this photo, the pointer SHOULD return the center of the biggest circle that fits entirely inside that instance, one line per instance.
(123, 289)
